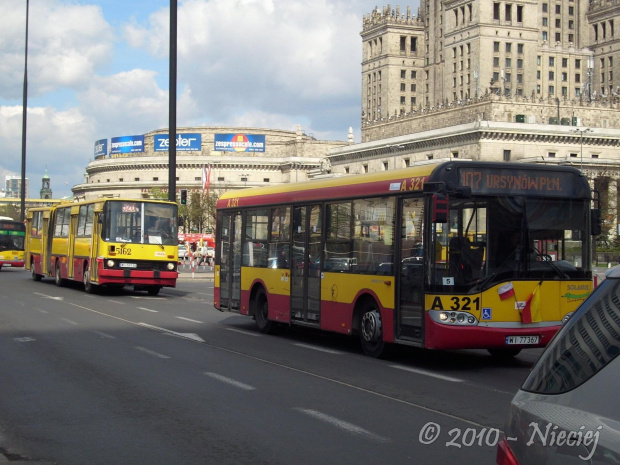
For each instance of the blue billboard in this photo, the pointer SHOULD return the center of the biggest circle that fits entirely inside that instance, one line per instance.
(101, 148)
(185, 142)
(127, 144)
(239, 143)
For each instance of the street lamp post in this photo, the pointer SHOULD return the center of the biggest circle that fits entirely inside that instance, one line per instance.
(24, 124)
(581, 133)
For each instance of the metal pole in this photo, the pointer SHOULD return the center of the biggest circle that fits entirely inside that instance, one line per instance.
(24, 111)
(172, 106)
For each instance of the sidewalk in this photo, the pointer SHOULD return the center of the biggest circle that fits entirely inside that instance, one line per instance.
(200, 272)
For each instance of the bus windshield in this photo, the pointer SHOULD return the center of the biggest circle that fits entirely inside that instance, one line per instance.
(140, 223)
(490, 240)
(11, 235)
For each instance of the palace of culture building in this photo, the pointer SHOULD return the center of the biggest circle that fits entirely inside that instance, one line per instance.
(514, 80)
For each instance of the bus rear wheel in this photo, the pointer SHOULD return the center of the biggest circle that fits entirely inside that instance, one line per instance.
(371, 332)
(57, 276)
(261, 312)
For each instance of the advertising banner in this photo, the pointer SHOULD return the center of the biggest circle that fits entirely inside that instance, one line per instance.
(101, 148)
(127, 144)
(185, 142)
(239, 143)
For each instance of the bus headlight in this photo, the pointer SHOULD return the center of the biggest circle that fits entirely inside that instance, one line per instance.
(110, 263)
(171, 266)
(453, 318)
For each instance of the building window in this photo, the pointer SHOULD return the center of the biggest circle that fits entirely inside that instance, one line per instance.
(551, 75)
(544, 35)
(558, 23)
(496, 11)
(551, 61)
(413, 87)
(545, 7)
(220, 179)
(496, 46)
(365, 168)
(385, 166)
(403, 43)
(551, 154)
(413, 74)
(402, 99)
(551, 90)
(455, 154)
(402, 87)
(346, 170)
(265, 179)
(545, 21)
(573, 155)
(558, 9)
(520, 63)
(136, 179)
(403, 74)
(506, 155)
(155, 178)
(508, 47)
(520, 49)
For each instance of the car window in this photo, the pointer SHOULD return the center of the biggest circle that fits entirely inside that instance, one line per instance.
(584, 346)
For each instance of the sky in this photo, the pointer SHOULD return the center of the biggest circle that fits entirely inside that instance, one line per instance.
(99, 69)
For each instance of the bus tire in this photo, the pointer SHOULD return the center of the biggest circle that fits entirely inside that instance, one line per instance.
(261, 312)
(370, 330)
(35, 276)
(57, 276)
(88, 286)
(504, 354)
(153, 290)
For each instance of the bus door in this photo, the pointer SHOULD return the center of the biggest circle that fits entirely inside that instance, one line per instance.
(230, 261)
(305, 264)
(94, 246)
(410, 286)
(46, 244)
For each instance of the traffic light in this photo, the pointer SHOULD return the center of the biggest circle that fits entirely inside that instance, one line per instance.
(183, 196)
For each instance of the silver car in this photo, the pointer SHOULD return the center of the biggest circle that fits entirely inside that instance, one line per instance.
(568, 410)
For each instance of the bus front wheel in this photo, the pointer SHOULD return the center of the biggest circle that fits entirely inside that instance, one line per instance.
(370, 332)
(88, 286)
(261, 312)
(153, 290)
(35, 276)
(57, 276)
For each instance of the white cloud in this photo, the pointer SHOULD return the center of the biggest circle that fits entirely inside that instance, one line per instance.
(67, 44)
(240, 57)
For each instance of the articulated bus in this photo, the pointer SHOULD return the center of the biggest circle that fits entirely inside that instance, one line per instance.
(106, 242)
(420, 256)
(11, 242)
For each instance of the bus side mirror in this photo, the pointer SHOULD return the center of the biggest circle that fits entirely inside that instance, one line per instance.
(440, 208)
(596, 224)
(101, 218)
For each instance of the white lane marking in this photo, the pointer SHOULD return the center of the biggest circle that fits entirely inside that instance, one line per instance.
(241, 331)
(190, 336)
(40, 310)
(230, 381)
(150, 352)
(105, 335)
(116, 302)
(70, 322)
(428, 373)
(24, 339)
(188, 319)
(147, 309)
(49, 296)
(320, 349)
(343, 425)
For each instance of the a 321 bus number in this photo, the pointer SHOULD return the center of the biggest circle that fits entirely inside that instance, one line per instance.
(457, 303)
(233, 202)
(413, 184)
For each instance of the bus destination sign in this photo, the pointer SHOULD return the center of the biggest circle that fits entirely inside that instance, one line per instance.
(494, 181)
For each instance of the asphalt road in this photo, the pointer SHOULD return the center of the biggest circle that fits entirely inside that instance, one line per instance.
(125, 378)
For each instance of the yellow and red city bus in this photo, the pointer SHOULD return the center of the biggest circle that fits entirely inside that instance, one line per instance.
(419, 256)
(12, 235)
(105, 242)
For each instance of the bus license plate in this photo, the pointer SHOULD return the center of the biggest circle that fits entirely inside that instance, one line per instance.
(128, 265)
(522, 340)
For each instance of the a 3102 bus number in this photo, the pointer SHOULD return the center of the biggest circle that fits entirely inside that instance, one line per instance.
(464, 303)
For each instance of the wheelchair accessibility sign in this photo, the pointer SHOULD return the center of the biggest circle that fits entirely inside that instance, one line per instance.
(486, 314)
